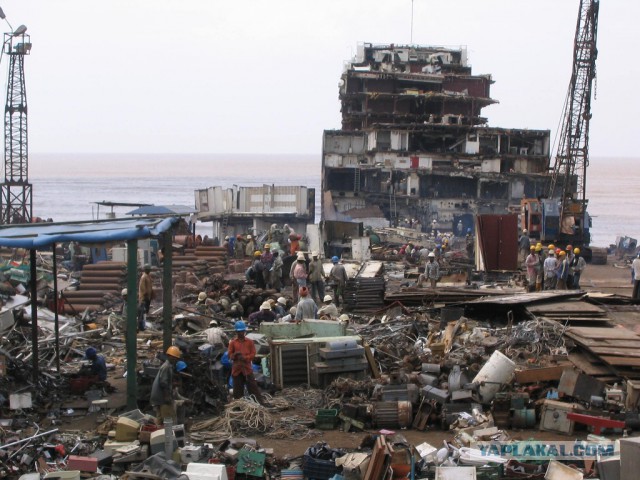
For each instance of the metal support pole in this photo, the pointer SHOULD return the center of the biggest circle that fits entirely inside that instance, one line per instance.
(132, 323)
(34, 315)
(56, 320)
(167, 293)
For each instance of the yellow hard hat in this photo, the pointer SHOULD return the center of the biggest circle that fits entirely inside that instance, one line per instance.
(576, 251)
(174, 351)
(532, 247)
(552, 247)
(562, 253)
(257, 253)
(538, 248)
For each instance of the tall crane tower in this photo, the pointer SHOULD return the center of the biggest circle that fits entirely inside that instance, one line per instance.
(568, 181)
(16, 201)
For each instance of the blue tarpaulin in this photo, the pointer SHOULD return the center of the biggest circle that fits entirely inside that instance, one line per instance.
(41, 235)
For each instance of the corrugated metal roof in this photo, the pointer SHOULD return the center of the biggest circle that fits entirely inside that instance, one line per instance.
(163, 210)
(39, 235)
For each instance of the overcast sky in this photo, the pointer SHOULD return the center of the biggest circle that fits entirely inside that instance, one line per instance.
(258, 76)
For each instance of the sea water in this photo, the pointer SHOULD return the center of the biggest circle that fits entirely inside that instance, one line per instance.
(66, 187)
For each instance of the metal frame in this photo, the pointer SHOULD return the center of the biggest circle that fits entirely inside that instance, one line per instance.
(16, 203)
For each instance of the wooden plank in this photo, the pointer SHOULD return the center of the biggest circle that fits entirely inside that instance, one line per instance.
(618, 352)
(603, 332)
(533, 375)
(585, 363)
(566, 307)
(621, 361)
(373, 365)
(610, 343)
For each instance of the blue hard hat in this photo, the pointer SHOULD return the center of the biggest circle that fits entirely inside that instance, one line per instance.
(468, 230)
(335, 259)
(240, 326)
(90, 352)
(180, 366)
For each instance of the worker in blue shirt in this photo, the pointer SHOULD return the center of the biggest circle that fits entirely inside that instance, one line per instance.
(98, 364)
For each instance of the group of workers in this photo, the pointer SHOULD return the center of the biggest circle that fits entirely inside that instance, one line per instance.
(240, 352)
(552, 268)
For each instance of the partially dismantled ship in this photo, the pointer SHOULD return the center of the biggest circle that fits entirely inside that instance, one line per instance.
(414, 147)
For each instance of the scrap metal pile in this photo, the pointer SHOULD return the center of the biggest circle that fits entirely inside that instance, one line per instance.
(460, 362)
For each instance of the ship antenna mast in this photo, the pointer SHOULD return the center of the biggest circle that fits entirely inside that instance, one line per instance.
(411, 23)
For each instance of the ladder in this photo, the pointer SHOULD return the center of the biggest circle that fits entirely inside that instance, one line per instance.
(225, 223)
(356, 179)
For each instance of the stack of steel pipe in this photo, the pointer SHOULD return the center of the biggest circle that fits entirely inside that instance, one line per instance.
(96, 281)
(364, 294)
(203, 260)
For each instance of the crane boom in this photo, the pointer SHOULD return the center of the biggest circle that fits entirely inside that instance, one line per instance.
(568, 181)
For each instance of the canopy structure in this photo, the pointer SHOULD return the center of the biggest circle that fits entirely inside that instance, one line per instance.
(180, 210)
(40, 236)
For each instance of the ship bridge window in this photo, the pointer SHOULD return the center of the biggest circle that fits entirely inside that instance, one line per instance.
(494, 190)
(383, 141)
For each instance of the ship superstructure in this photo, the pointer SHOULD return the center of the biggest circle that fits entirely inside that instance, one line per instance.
(415, 148)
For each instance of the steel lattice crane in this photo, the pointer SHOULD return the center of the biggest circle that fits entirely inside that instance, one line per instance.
(562, 216)
(16, 202)
(569, 177)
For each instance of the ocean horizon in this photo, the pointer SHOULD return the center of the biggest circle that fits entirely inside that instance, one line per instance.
(66, 186)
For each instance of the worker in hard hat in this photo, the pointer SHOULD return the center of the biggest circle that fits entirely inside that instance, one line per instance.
(145, 295)
(265, 314)
(239, 249)
(250, 246)
(328, 310)
(531, 263)
(242, 351)
(162, 394)
(280, 308)
(635, 277)
(470, 244)
(217, 338)
(181, 366)
(300, 273)
(431, 271)
(306, 308)
(315, 279)
(256, 269)
(578, 264)
(125, 294)
(98, 366)
(267, 262)
(569, 253)
(275, 274)
(550, 271)
(563, 271)
(338, 277)
(539, 267)
(524, 244)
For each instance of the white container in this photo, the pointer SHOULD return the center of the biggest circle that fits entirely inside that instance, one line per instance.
(18, 401)
(456, 473)
(496, 372)
(559, 471)
(206, 471)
